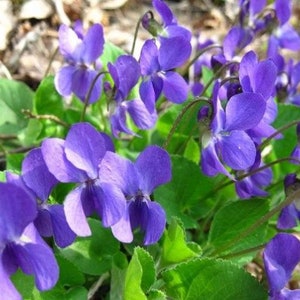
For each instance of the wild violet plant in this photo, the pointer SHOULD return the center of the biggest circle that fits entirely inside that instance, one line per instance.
(164, 176)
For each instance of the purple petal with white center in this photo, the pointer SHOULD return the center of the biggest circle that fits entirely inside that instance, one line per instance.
(238, 150)
(156, 222)
(154, 168)
(55, 158)
(173, 53)
(8, 290)
(84, 148)
(147, 94)
(210, 162)
(109, 202)
(122, 230)
(288, 217)
(281, 256)
(68, 43)
(17, 210)
(140, 115)
(149, 58)
(62, 233)
(164, 11)
(264, 78)
(93, 43)
(175, 88)
(82, 80)
(119, 171)
(75, 214)
(63, 80)
(36, 175)
(38, 260)
(244, 111)
(283, 10)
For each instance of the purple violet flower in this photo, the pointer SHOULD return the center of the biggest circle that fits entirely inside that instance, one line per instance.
(20, 244)
(125, 73)
(77, 159)
(80, 53)
(289, 215)
(227, 141)
(51, 219)
(137, 182)
(157, 68)
(281, 256)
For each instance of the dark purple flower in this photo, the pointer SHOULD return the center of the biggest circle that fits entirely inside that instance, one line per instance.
(157, 68)
(281, 256)
(77, 159)
(20, 244)
(227, 142)
(137, 182)
(125, 73)
(80, 53)
(290, 214)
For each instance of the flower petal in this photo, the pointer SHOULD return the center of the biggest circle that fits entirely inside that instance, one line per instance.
(17, 210)
(281, 256)
(85, 148)
(57, 162)
(62, 233)
(173, 53)
(147, 94)
(109, 202)
(64, 80)
(149, 58)
(75, 214)
(93, 43)
(288, 217)
(36, 174)
(154, 168)
(237, 150)
(175, 87)
(244, 111)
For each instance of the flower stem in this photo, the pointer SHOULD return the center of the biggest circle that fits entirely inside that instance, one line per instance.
(180, 116)
(135, 34)
(279, 130)
(87, 98)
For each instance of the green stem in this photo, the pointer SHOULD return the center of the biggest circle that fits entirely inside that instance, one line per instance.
(198, 55)
(289, 199)
(279, 130)
(242, 252)
(135, 34)
(179, 118)
(87, 98)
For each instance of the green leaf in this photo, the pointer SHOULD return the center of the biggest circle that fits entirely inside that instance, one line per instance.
(175, 248)
(93, 254)
(211, 279)
(23, 283)
(69, 274)
(110, 53)
(140, 275)
(118, 273)
(182, 193)
(47, 100)
(192, 151)
(231, 221)
(156, 295)
(29, 135)
(14, 97)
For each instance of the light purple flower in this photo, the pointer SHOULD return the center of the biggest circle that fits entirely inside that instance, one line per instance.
(281, 256)
(80, 53)
(125, 73)
(137, 182)
(77, 159)
(20, 244)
